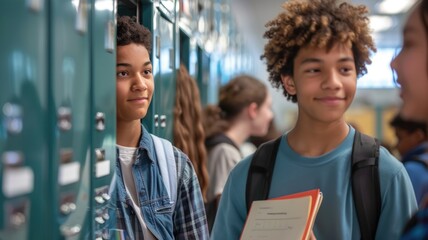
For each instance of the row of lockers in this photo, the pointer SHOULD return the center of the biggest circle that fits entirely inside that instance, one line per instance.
(58, 118)
(57, 106)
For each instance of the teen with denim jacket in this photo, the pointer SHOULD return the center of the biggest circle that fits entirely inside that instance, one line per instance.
(144, 208)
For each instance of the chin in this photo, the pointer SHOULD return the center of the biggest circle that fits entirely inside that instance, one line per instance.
(412, 113)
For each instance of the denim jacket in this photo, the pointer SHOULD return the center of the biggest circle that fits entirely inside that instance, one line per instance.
(186, 221)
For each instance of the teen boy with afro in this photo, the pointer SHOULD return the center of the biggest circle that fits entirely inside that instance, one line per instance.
(144, 208)
(316, 49)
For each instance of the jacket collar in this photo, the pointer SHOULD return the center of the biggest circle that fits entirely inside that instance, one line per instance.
(146, 143)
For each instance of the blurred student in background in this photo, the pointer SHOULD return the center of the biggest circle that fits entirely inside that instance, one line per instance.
(189, 134)
(412, 142)
(411, 66)
(244, 110)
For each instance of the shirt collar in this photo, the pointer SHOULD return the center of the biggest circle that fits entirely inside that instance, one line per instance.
(146, 143)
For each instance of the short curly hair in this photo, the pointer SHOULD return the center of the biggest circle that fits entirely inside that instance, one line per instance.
(315, 23)
(130, 31)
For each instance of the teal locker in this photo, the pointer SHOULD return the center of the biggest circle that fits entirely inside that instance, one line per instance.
(70, 115)
(23, 121)
(159, 118)
(103, 115)
(164, 97)
(189, 53)
(203, 75)
(151, 120)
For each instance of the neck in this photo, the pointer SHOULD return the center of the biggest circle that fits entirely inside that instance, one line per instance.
(128, 133)
(317, 139)
(238, 133)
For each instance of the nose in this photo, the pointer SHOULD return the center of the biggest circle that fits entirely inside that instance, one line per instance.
(332, 80)
(139, 83)
(393, 63)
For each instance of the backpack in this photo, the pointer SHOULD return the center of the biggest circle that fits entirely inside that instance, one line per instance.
(167, 166)
(365, 179)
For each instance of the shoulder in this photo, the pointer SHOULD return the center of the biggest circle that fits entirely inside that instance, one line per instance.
(225, 150)
(389, 166)
(240, 171)
(388, 163)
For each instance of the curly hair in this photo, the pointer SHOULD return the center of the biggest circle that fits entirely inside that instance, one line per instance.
(315, 23)
(188, 131)
(237, 94)
(130, 31)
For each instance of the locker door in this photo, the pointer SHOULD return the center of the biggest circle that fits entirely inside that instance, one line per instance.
(70, 168)
(189, 53)
(103, 114)
(165, 79)
(203, 75)
(23, 105)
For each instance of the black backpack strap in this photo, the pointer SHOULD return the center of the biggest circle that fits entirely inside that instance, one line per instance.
(366, 184)
(261, 171)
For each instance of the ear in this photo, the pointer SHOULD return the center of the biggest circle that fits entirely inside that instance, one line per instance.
(252, 110)
(288, 83)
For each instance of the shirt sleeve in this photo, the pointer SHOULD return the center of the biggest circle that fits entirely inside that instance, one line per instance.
(190, 220)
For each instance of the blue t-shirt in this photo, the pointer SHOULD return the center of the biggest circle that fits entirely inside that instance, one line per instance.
(418, 171)
(331, 172)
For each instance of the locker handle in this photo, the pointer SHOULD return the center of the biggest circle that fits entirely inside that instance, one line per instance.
(71, 231)
(64, 118)
(109, 37)
(12, 159)
(100, 154)
(156, 120)
(100, 121)
(163, 121)
(157, 46)
(171, 58)
(82, 17)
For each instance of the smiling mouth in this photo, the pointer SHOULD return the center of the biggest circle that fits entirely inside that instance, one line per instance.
(138, 99)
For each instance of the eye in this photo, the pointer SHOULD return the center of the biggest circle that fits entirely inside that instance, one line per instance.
(147, 72)
(122, 74)
(346, 70)
(312, 70)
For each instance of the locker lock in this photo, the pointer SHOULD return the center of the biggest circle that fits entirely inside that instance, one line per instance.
(163, 121)
(100, 121)
(64, 118)
(67, 208)
(70, 231)
(13, 117)
(17, 219)
(100, 154)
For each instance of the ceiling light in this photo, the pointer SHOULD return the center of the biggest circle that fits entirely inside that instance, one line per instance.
(395, 6)
(380, 23)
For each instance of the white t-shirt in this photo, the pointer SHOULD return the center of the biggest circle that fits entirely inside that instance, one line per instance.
(127, 157)
(221, 160)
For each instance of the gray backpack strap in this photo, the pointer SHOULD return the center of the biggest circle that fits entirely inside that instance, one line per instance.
(167, 165)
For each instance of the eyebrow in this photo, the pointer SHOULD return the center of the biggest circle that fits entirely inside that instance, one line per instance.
(317, 60)
(129, 65)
